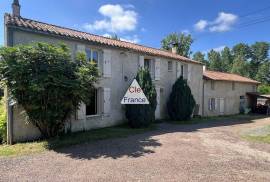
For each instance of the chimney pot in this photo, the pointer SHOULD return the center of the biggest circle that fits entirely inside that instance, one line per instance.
(174, 50)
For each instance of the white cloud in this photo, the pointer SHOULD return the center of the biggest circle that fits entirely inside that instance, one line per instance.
(201, 25)
(116, 19)
(219, 49)
(133, 39)
(223, 23)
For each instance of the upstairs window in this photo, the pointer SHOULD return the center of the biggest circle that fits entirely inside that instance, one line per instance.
(150, 65)
(233, 86)
(212, 85)
(170, 66)
(182, 71)
(92, 55)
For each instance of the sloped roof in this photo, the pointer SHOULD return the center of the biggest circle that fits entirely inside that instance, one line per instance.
(220, 76)
(36, 26)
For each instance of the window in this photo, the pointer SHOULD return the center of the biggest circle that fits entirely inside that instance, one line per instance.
(182, 71)
(254, 88)
(92, 55)
(213, 85)
(91, 107)
(212, 104)
(150, 65)
(147, 64)
(233, 86)
(170, 66)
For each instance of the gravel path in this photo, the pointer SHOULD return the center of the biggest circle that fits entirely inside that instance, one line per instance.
(203, 152)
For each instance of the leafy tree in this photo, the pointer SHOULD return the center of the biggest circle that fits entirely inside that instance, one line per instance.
(226, 59)
(264, 89)
(143, 115)
(115, 37)
(181, 102)
(44, 80)
(263, 74)
(214, 61)
(182, 41)
(241, 50)
(199, 56)
(259, 55)
(240, 67)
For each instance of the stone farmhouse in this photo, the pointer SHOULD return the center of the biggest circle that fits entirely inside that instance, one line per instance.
(118, 62)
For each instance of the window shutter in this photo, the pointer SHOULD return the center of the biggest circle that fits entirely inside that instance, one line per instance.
(178, 69)
(80, 48)
(209, 105)
(216, 103)
(188, 72)
(107, 101)
(81, 113)
(157, 69)
(141, 61)
(107, 70)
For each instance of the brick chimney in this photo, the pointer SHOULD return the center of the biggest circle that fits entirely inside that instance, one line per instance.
(16, 8)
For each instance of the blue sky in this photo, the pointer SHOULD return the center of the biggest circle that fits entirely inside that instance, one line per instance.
(213, 23)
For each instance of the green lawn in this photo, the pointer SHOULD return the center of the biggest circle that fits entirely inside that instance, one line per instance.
(70, 139)
(259, 134)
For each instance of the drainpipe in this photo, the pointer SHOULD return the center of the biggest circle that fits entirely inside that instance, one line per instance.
(10, 108)
(203, 99)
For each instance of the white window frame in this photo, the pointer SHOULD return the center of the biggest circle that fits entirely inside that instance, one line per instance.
(152, 66)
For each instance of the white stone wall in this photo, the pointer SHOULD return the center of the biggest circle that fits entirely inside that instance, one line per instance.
(223, 89)
(124, 63)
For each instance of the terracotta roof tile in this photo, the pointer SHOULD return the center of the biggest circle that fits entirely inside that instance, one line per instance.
(220, 76)
(33, 25)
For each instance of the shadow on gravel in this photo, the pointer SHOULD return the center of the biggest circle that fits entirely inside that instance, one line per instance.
(134, 146)
(142, 144)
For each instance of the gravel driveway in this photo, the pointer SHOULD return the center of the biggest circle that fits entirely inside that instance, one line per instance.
(203, 152)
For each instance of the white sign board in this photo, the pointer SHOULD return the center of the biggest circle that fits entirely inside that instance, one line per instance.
(134, 95)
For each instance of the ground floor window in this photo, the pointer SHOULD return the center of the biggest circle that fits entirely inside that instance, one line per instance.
(212, 104)
(91, 107)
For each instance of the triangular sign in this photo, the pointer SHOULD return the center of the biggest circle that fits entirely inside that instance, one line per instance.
(134, 95)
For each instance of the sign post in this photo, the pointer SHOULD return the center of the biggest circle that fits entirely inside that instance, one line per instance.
(134, 95)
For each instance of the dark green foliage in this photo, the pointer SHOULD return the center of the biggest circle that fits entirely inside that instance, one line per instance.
(226, 59)
(263, 74)
(44, 80)
(264, 89)
(215, 61)
(182, 41)
(143, 115)
(181, 102)
(199, 56)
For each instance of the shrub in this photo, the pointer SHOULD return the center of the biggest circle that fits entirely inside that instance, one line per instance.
(44, 80)
(3, 121)
(264, 89)
(143, 115)
(181, 102)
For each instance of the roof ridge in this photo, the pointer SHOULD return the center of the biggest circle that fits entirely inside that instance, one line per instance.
(119, 41)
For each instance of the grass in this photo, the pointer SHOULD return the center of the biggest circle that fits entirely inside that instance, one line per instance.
(258, 135)
(69, 140)
(214, 118)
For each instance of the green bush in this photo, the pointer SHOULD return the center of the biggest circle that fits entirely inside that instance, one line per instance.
(44, 80)
(264, 89)
(143, 115)
(3, 121)
(181, 102)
